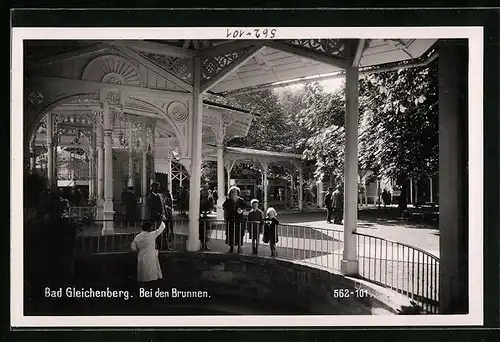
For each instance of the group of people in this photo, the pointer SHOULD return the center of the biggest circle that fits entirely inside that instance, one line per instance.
(256, 222)
(334, 203)
(160, 219)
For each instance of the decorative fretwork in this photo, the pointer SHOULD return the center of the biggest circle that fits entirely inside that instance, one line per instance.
(331, 47)
(213, 66)
(180, 67)
(209, 119)
(227, 119)
(179, 172)
(209, 134)
(112, 69)
(177, 111)
(149, 135)
(89, 99)
(120, 138)
(81, 135)
(113, 98)
(74, 119)
(36, 98)
(99, 115)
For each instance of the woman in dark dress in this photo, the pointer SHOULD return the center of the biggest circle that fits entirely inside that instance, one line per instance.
(271, 229)
(233, 207)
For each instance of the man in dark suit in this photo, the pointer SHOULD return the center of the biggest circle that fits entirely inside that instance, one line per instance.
(129, 199)
(338, 205)
(329, 205)
(156, 210)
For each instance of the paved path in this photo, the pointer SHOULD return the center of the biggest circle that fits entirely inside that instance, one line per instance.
(423, 237)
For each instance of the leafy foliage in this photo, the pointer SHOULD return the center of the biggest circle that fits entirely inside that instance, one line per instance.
(399, 123)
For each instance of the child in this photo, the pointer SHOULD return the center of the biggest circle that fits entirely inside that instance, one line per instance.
(270, 229)
(148, 265)
(255, 223)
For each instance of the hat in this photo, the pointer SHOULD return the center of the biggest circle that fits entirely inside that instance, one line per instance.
(254, 201)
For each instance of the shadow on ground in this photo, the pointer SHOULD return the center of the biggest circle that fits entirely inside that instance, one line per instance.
(367, 218)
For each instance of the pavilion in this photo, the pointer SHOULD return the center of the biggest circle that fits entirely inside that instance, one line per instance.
(146, 100)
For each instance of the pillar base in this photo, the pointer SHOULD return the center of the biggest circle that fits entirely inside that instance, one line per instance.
(220, 213)
(99, 211)
(192, 245)
(108, 224)
(349, 267)
(108, 216)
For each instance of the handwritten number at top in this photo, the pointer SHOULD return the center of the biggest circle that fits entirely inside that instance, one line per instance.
(255, 33)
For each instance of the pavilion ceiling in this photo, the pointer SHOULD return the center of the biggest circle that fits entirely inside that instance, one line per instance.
(258, 62)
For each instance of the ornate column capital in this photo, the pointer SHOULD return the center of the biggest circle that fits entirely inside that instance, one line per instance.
(264, 164)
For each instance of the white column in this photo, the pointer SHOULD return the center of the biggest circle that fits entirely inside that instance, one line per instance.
(108, 210)
(94, 162)
(264, 169)
(50, 151)
(292, 188)
(54, 162)
(153, 146)
(430, 189)
(100, 164)
(228, 170)
(416, 191)
(130, 181)
(349, 264)
(319, 188)
(91, 166)
(411, 190)
(32, 153)
(169, 170)
(220, 180)
(144, 173)
(193, 242)
(301, 195)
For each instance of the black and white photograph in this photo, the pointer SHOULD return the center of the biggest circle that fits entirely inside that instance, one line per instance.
(247, 176)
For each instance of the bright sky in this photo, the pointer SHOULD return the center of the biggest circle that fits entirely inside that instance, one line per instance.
(329, 85)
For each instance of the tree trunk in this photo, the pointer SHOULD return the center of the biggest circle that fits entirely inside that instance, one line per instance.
(402, 203)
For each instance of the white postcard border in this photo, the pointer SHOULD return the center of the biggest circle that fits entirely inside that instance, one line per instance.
(475, 316)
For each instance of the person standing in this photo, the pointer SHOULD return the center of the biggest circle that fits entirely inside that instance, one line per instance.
(156, 209)
(233, 207)
(215, 197)
(129, 199)
(271, 229)
(255, 224)
(148, 265)
(338, 205)
(329, 205)
(169, 223)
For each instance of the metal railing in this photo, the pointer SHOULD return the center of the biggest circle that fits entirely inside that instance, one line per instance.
(399, 267)
(406, 269)
(93, 237)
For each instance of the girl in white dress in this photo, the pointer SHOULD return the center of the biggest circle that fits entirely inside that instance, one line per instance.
(148, 265)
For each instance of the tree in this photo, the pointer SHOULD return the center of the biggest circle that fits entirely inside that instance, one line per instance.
(269, 130)
(399, 124)
(322, 119)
